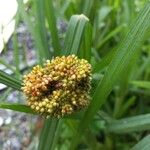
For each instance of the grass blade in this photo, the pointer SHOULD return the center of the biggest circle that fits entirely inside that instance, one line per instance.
(17, 107)
(79, 34)
(86, 7)
(3, 62)
(125, 53)
(51, 137)
(132, 124)
(44, 133)
(87, 43)
(104, 62)
(40, 23)
(52, 26)
(26, 109)
(109, 36)
(16, 53)
(5, 95)
(141, 84)
(49, 134)
(10, 81)
(34, 30)
(144, 144)
(70, 34)
(16, 47)
(75, 33)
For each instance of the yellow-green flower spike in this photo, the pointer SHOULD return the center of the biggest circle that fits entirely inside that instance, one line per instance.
(60, 87)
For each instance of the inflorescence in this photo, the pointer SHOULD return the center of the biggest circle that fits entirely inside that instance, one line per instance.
(60, 87)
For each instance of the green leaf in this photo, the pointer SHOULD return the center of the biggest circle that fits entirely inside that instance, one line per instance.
(27, 109)
(131, 124)
(104, 62)
(3, 62)
(41, 27)
(86, 7)
(5, 94)
(16, 47)
(10, 80)
(141, 84)
(74, 34)
(35, 29)
(17, 107)
(125, 53)
(109, 36)
(144, 144)
(48, 134)
(50, 15)
(70, 34)
(85, 51)
(16, 52)
(125, 106)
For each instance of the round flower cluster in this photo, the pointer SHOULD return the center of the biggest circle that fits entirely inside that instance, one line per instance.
(60, 87)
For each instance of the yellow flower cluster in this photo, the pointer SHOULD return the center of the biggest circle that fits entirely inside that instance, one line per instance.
(60, 87)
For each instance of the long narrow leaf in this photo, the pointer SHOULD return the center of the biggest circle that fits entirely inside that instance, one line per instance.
(144, 144)
(75, 33)
(16, 52)
(33, 30)
(17, 107)
(44, 133)
(110, 35)
(48, 134)
(70, 34)
(16, 47)
(26, 109)
(9, 80)
(79, 34)
(104, 62)
(127, 125)
(86, 46)
(52, 26)
(86, 7)
(141, 84)
(40, 23)
(3, 62)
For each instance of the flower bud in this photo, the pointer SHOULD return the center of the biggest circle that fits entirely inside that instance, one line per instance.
(60, 87)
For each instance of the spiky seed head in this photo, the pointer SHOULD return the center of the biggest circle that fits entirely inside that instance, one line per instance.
(60, 87)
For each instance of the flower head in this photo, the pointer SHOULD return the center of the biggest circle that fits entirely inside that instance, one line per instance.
(60, 87)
